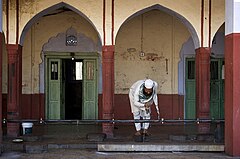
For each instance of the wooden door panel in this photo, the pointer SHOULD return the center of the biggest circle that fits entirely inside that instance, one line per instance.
(214, 111)
(191, 109)
(54, 89)
(90, 90)
(216, 89)
(190, 89)
(54, 111)
(53, 95)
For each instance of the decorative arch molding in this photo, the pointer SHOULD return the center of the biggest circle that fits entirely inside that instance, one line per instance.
(84, 43)
(187, 51)
(218, 42)
(50, 9)
(190, 27)
(58, 44)
(218, 27)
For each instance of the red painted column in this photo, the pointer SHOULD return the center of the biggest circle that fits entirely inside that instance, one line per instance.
(203, 87)
(232, 94)
(14, 88)
(1, 55)
(108, 87)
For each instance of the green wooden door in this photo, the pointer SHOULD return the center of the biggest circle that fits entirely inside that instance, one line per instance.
(55, 108)
(90, 90)
(216, 89)
(190, 88)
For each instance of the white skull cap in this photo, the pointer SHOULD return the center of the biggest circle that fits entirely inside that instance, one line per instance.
(148, 84)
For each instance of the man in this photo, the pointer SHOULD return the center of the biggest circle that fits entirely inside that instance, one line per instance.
(142, 95)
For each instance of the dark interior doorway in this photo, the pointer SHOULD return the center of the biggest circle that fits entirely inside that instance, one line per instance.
(73, 88)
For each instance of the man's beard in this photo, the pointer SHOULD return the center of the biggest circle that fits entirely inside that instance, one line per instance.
(148, 95)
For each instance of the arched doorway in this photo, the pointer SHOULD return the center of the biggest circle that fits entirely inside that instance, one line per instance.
(71, 77)
(152, 50)
(71, 85)
(217, 75)
(54, 25)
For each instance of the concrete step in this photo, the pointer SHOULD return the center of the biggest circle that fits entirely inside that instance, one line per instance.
(40, 147)
(160, 147)
(116, 147)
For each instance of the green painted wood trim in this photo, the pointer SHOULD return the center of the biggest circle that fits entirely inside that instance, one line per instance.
(66, 55)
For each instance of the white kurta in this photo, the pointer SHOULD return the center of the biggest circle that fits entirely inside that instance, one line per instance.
(136, 102)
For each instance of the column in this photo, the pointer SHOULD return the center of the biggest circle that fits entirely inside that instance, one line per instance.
(108, 88)
(232, 78)
(203, 87)
(14, 88)
(1, 55)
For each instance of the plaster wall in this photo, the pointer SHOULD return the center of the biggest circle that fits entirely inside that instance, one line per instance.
(1, 16)
(187, 9)
(123, 10)
(12, 23)
(218, 16)
(92, 10)
(4, 69)
(160, 37)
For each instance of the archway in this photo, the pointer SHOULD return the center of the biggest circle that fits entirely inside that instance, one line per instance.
(42, 28)
(151, 43)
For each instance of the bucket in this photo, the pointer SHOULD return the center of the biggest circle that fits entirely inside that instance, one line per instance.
(27, 128)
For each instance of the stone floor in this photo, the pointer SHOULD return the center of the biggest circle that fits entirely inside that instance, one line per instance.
(160, 133)
(93, 154)
(72, 141)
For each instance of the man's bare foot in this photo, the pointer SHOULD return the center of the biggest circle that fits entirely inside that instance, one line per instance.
(138, 133)
(146, 133)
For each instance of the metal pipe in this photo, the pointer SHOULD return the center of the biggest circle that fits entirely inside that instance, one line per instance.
(162, 121)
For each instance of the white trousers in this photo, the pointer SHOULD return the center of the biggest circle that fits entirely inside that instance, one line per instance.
(144, 115)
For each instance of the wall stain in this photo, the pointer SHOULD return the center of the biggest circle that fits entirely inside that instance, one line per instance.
(121, 86)
(154, 57)
(132, 54)
(154, 69)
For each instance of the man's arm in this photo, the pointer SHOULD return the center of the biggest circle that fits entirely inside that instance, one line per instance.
(155, 98)
(136, 99)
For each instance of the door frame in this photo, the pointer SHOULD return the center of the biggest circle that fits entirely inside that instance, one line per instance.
(68, 55)
(193, 81)
(221, 87)
(220, 81)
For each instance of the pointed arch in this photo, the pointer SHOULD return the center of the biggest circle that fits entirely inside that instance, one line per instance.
(189, 26)
(50, 9)
(218, 42)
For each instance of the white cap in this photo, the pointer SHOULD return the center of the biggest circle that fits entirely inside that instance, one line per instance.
(148, 84)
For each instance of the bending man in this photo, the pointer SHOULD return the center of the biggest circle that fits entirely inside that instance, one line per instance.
(142, 95)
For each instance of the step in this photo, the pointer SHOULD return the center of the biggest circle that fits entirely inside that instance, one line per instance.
(160, 147)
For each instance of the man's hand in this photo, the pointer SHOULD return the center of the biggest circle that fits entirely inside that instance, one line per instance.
(147, 105)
